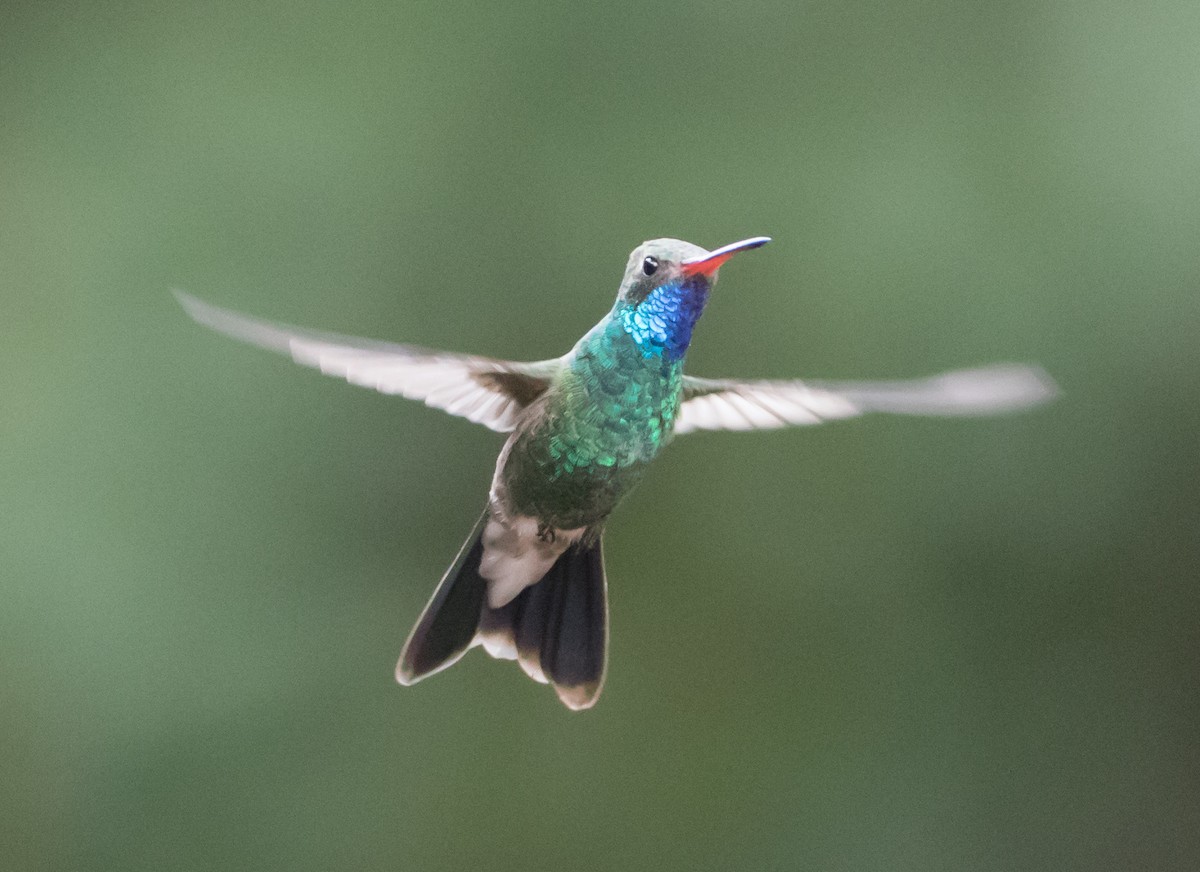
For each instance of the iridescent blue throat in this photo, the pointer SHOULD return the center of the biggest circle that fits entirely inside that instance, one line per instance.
(662, 324)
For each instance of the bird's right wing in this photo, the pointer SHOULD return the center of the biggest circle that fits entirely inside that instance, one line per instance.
(725, 404)
(481, 389)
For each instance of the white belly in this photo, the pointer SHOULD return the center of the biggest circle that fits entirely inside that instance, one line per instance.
(516, 554)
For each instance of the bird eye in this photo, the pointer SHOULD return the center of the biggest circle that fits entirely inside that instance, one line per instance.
(650, 266)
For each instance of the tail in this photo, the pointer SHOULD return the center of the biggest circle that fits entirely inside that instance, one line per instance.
(557, 629)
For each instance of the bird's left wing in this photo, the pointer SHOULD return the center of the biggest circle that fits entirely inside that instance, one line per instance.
(480, 389)
(720, 404)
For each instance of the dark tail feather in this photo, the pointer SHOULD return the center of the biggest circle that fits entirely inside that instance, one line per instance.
(447, 627)
(559, 626)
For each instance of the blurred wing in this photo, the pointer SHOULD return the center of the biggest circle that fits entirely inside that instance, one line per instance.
(719, 404)
(480, 389)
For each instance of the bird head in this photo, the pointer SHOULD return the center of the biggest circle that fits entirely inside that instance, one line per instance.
(665, 289)
(660, 262)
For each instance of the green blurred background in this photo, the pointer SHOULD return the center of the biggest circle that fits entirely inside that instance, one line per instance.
(888, 644)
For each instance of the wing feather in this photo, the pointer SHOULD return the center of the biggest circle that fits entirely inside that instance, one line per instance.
(481, 389)
(726, 404)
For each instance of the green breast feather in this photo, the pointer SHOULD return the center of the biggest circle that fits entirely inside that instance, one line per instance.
(605, 417)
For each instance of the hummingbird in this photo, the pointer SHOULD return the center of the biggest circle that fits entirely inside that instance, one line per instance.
(529, 582)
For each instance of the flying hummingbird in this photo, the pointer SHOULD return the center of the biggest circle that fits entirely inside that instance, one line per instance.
(528, 584)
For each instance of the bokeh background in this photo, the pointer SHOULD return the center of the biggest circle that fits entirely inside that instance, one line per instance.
(889, 644)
